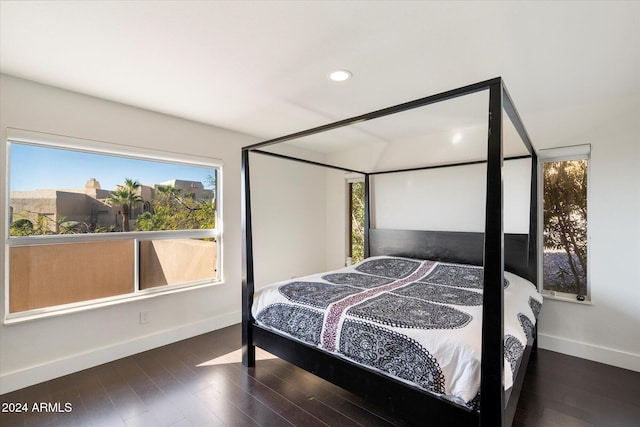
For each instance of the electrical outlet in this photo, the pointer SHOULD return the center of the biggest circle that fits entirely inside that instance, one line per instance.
(144, 317)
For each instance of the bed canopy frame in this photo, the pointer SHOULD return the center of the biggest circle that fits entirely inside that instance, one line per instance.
(492, 249)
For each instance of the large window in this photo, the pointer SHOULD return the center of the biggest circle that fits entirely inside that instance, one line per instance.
(92, 223)
(565, 239)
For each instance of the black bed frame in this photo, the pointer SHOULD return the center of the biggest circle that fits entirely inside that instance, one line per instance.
(493, 249)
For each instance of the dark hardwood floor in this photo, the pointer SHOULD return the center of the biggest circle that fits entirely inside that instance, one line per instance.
(200, 382)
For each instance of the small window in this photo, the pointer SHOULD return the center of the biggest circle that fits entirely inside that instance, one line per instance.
(90, 223)
(356, 222)
(564, 222)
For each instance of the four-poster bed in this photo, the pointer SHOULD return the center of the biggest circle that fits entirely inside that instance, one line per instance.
(492, 252)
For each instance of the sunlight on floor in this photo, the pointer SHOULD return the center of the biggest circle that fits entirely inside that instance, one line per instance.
(236, 357)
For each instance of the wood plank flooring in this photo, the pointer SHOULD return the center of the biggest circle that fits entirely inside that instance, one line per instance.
(201, 382)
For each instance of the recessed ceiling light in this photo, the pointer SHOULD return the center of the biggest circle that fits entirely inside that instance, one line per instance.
(340, 75)
(456, 138)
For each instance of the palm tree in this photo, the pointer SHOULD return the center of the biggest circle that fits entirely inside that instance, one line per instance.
(125, 195)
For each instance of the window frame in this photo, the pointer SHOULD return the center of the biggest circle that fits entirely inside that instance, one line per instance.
(25, 137)
(560, 154)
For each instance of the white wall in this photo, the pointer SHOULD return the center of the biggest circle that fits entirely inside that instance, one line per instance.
(38, 350)
(288, 218)
(337, 217)
(608, 330)
(450, 199)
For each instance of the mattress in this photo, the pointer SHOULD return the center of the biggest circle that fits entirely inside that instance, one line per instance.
(418, 321)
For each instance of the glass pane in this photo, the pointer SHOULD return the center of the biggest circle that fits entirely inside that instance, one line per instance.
(58, 191)
(356, 215)
(49, 275)
(565, 227)
(177, 261)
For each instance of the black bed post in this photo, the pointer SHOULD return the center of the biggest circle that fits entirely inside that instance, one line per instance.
(533, 222)
(367, 214)
(532, 260)
(533, 234)
(492, 402)
(248, 349)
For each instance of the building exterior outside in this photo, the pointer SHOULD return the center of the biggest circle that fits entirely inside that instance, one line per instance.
(86, 209)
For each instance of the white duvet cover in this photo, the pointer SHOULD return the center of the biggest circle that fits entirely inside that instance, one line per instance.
(415, 320)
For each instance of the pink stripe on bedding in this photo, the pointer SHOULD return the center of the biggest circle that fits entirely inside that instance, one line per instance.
(337, 309)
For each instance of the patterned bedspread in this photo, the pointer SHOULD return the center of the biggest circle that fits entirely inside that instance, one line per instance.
(417, 321)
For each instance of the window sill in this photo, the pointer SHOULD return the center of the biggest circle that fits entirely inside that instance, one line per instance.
(557, 296)
(45, 313)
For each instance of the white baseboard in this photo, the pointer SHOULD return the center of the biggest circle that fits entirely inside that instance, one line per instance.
(608, 356)
(36, 374)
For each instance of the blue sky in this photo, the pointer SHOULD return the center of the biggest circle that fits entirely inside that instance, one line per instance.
(35, 167)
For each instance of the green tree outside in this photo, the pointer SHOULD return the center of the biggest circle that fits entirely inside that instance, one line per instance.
(126, 196)
(357, 222)
(24, 227)
(173, 210)
(565, 226)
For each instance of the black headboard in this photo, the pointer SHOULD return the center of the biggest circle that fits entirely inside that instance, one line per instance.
(449, 246)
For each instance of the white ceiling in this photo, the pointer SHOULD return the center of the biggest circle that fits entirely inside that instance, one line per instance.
(260, 67)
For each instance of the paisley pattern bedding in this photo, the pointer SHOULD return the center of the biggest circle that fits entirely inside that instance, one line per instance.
(417, 321)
